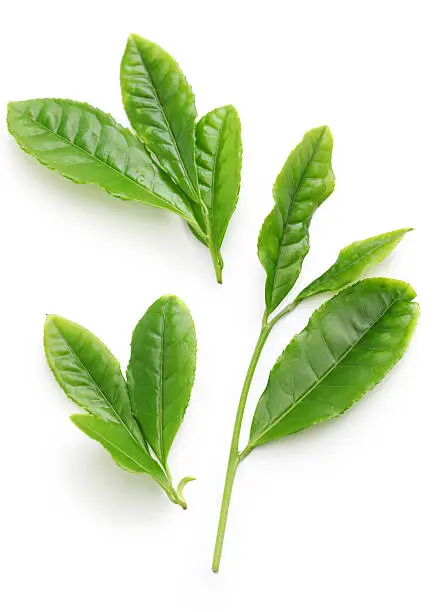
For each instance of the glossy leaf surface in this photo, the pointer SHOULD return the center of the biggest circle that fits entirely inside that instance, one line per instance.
(160, 106)
(352, 261)
(219, 161)
(161, 371)
(88, 146)
(348, 346)
(88, 372)
(305, 181)
(118, 442)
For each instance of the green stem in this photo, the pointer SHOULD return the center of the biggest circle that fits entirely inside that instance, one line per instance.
(217, 264)
(217, 261)
(284, 312)
(171, 492)
(235, 457)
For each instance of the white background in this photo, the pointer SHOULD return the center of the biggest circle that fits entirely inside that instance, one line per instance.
(338, 518)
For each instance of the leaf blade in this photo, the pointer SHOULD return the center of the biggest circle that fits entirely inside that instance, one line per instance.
(125, 451)
(88, 372)
(331, 364)
(160, 374)
(352, 261)
(160, 106)
(303, 184)
(88, 146)
(219, 161)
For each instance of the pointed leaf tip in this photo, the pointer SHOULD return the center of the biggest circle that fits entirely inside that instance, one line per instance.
(352, 261)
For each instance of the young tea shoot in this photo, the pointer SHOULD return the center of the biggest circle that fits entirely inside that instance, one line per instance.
(349, 343)
(134, 418)
(171, 161)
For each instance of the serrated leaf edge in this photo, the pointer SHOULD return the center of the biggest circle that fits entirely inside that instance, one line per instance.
(165, 205)
(256, 442)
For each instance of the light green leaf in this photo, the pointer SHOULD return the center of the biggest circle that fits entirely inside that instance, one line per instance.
(181, 486)
(352, 261)
(88, 372)
(348, 346)
(160, 106)
(161, 371)
(87, 146)
(219, 161)
(125, 451)
(305, 181)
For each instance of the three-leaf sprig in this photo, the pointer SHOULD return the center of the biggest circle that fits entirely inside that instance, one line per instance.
(350, 342)
(137, 418)
(172, 162)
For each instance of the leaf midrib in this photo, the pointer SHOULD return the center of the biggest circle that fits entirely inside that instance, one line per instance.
(160, 400)
(118, 448)
(214, 173)
(293, 200)
(167, 123)
(98, 387)
(318, 382)
(355, 261)
(100, 161)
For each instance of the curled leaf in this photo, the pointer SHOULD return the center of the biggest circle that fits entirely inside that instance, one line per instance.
(181, 487)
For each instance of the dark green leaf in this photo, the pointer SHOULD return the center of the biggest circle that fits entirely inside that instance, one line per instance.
(88, 146)
(161, 371)
(305, 181)
(219, 161)
(352, 261)
(160, 106)
(348, 346)
(123, 448)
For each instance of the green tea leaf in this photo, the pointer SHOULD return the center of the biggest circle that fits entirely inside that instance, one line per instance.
(160, 106)
(219, 161)
(348, 346)
(352, 261)
(305, 181)
(91, 377)
(87, 146)
(161, 371)
(125, 451)
(88, 372)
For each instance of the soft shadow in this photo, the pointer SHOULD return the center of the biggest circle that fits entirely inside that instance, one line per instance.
(371, 401)
(69, 194)
(96, 480)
